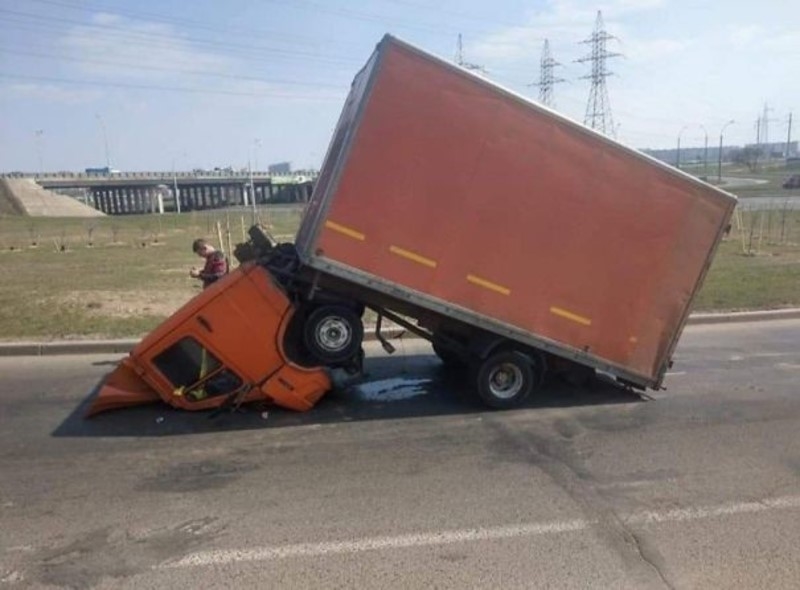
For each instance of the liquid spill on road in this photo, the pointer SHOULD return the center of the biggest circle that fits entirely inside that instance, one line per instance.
(391, 390)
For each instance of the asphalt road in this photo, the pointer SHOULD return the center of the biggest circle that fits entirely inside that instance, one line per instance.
(406, 482)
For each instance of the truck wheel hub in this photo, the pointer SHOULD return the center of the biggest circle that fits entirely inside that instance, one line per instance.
(333, 334)
(505, 381)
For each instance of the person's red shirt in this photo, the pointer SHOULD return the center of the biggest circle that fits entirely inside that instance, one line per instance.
(216, 266)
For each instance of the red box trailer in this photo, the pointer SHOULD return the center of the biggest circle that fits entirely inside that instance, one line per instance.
(461, 202)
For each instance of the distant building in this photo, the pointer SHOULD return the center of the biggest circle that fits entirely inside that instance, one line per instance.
(280, 168)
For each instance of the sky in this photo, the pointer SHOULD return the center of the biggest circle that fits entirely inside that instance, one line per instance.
(201, 84)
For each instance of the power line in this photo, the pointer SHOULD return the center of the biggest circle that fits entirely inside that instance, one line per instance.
(163, 88)
(195, 24)
(115, 63)
(149, 37)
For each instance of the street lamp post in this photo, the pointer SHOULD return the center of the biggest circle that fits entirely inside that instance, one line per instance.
(105, 140)
(719, 161)
(39, 134)
(678, 155)
(253, 192)
(175, 192)
(705, 152)
(256, 145)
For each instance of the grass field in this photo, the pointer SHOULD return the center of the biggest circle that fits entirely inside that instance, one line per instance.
(121, 276)
(110, 276)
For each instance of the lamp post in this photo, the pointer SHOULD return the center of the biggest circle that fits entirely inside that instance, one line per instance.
(256, 145)
(176, 195)
(252, 192)
(719, 161)
(678, 155)
(705, 152)
(39, 134)
(105, 140)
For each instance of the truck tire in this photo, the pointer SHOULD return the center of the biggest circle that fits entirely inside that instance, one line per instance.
(333, 334)
(449, 359)
(506, 379)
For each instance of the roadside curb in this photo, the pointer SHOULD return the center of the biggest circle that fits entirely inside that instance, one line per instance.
(122, 346)
(64, 347)
(744, 316)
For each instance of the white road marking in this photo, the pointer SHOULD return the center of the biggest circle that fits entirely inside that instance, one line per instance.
(268, 553)
(761, 355)
(374, 543)
(683, 514)
(788, 366)
(675, 374)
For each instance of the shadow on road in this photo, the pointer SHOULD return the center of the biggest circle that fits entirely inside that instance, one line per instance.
(393, 388)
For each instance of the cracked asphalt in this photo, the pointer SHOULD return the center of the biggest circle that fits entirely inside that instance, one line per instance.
(406, 481)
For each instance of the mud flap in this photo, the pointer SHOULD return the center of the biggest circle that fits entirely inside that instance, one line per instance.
(121, 389)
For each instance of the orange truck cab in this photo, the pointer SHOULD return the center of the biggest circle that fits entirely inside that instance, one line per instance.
(224, 347)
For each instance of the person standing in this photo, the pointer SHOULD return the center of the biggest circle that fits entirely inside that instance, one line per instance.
(216, 266)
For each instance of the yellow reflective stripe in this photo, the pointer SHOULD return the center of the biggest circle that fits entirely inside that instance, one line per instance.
(488, 285)
(412, 256)
(571, 316)
(349, 232)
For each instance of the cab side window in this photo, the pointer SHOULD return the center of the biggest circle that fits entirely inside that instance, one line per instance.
(194, 372)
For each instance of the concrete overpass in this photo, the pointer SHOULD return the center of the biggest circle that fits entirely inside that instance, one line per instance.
(158, 192)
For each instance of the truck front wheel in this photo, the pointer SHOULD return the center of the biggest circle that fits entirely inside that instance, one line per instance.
(506, 379)
(333, 334)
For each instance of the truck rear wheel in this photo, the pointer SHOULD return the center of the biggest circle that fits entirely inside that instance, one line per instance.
(333, 334)
(449, 358)
(507, 378)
